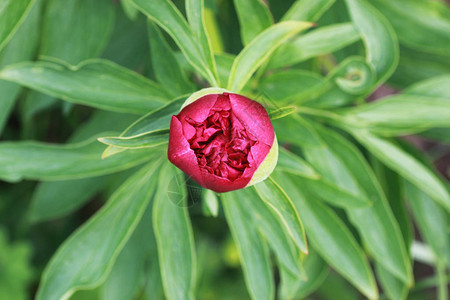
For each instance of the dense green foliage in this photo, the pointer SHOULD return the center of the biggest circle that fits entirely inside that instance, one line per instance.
(91, 208)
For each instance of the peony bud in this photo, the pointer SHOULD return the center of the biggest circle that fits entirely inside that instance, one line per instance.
(223, 141)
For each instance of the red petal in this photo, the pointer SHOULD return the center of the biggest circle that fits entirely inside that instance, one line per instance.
(254, 117)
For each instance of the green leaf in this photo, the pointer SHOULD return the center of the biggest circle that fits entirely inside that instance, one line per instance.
(275, 198)
(293, 287)
(433, 87)
(405, 165)
(158, 119)
(254, 17)
(340, 162)
(270, 227)
(428, 33)
(41, 161)
(76, 266)
(224, 65)
(281, 112)
(330, 237)
(378, 36)
(48, 204)
(210, 203)
(174, 236)
(128, 273)
(144, 140)
(354, 76)
(394, 288)
(12, 15)
(168, 17)
(252, 250)
(73, 44)
(195, 11)
(294, 164)
(98, 83)
(400, 114)
(432, 221)
(320, 41)
(21, 47)
(307, 10)
(167, 69)
(259, 50)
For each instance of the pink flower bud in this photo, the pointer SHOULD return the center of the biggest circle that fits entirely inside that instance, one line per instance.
(223, 141)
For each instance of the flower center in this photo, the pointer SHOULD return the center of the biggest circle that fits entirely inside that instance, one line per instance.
(221, 143)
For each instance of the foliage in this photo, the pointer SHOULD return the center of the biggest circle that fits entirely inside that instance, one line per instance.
(349, 191)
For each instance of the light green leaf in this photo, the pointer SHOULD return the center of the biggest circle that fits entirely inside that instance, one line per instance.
(254, 17)
(293, 287)
(41, 161)
(433, 87)
(294, 164)
(405, 165)
(432, 221)
(307, 10)
(330, 237)
(12, 15)
(224, 65)
(174, 236)
(195, 11)
(378, 36)
(281, 112)
(131, 12)
(253, 252)
(340, 162)
(73, 44)
(21, 47)
(98, 83)
(210, 203)
(259, 50)
(428, 33)
(168, 17)
(270, 227)
(158, 119)
(276, 199)
(85, 259)
(166, 67)
(320, 41)
(354, 76)
(143, 140)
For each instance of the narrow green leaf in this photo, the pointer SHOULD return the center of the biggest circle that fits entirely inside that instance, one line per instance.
(405, 165)
(254, 17)
(330, 237)
(174, 236)
(98, 83)
(432, 221)
(168, 17)
(224, 65)
(20, 48)
(41, 161)
(276, 199)
(294, 164)
(307, 10)
(144, 140)
(282, 112)
(210, 203)
(12, 15)
(394, 288)
(400, 113)
(378, 37)
(131, 12)
(433, 87)
(73, 44)
(76, 266)
(320, 41)
(158, 119)
(167, 69)
(253, 252)
(195, 11)
(340, 162)
(259, 50)
(354, 76)
(293, 287)
(428, 33)
(270, 227)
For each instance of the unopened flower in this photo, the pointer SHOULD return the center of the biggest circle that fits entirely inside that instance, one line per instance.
(223, 141)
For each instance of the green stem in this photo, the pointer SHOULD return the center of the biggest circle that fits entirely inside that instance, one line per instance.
(320, 113)
(442, 281)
